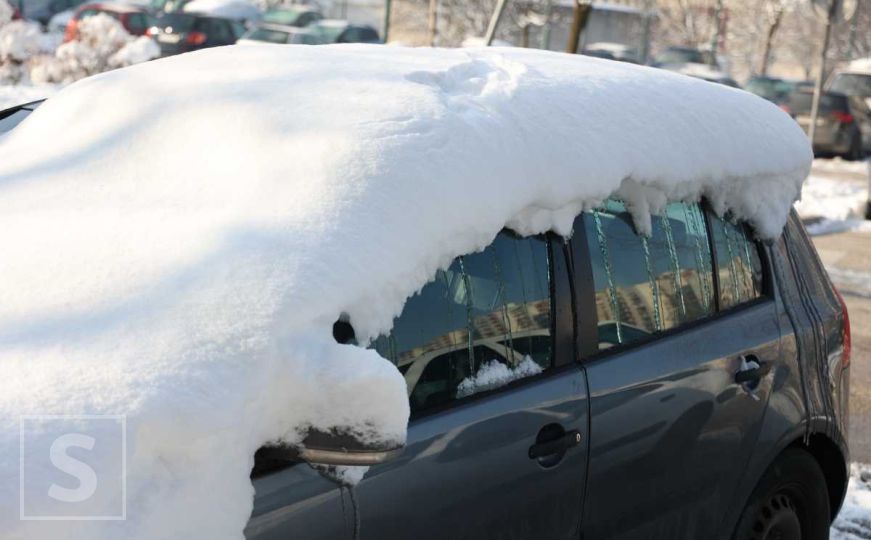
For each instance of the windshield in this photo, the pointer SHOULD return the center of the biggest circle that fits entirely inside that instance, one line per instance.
(852, 84)
(177, 22)
(282, 16)
(272, 36)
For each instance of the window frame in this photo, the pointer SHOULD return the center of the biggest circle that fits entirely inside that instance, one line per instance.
(563, 340)
(585, 293)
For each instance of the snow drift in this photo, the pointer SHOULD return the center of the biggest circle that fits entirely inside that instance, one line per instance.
(179, 236)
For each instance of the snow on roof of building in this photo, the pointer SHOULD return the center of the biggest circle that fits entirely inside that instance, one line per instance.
(179, 236)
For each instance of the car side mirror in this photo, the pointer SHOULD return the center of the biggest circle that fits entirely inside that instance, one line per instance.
(321, 448)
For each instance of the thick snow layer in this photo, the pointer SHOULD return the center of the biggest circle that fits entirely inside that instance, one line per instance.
(11, 96)
(178, 252)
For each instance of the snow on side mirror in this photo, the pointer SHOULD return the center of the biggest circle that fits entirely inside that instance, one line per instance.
(320, 448)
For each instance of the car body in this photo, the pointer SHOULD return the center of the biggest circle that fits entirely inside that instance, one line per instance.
(136, 20)
(855, 83)
(675, 371)
(341, 31)
(184, 32)
(648, 429)
(278, 33)
(837, 131)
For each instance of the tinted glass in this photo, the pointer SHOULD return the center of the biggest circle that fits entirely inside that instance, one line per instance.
(644, 284)
(740, 268)
(482, 323)
(217, 30)
(137, 23)
(852, 84)
(272, 36)
(178, 22)
(9, 121)
(800, 102)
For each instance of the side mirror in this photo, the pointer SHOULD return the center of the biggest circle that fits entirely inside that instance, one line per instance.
(320, 448)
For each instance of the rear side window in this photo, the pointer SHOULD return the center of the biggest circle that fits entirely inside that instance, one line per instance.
(738, 263)
(645, 285)
(482, 323)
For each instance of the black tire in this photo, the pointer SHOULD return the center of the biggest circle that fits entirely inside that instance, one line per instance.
(791, 502)
(855, 153)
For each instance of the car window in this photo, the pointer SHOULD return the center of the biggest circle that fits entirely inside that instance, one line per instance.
(217, 30)
(482, 323)
(137, 22)
(271, 36)
(648, 284)
(238, 29)
(738, 262)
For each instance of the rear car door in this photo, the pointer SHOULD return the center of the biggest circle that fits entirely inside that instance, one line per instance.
(497, 439)
(685, 333)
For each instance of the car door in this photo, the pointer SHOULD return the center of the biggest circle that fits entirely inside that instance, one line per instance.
(497, 439)
(678, 327)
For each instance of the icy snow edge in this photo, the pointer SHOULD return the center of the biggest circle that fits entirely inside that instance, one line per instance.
(179, 236)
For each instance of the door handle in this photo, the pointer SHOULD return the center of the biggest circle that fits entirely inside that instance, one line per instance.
(556, 446)
(751, 370)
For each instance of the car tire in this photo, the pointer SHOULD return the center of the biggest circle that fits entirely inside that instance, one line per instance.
(856, 152)
(791, 502)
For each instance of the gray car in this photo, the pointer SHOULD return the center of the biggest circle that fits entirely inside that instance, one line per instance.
(837, 131)
(856, 85)
(689, 384)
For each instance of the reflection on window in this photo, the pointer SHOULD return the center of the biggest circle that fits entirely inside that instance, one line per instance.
(648, 284)
(487, 310)
(740, 268)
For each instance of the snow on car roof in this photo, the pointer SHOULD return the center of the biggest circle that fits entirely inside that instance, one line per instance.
(179, 236)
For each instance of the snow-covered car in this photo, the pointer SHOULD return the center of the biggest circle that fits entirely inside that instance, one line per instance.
(540, 295)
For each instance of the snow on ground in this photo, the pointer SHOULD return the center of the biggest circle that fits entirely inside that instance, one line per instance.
(834, 197)
(11, 96)
(179, 237)
(854, 520)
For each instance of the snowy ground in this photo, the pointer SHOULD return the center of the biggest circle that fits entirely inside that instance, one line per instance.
(16, 95)
(834, 197)
(854, 520)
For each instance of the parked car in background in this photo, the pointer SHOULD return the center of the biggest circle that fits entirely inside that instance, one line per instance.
(855, 83)
(278, 33)
(340, 31)
(135, 19)
(292, 16)
(837, 130)
(775, 89)
(184, 32)
(42, 11)
(612, 51)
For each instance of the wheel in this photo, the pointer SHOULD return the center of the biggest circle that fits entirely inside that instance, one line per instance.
(855, 153)
(791, 502)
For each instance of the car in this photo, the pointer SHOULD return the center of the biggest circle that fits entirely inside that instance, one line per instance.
(42, 11)
(775, 89)
(704, 354)
(341, 31)
(572, 369)
(855, 82)
(837, 131)
(184, 32)
(292, 16)
(612, 51)
(278, 33)
(135, 19)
